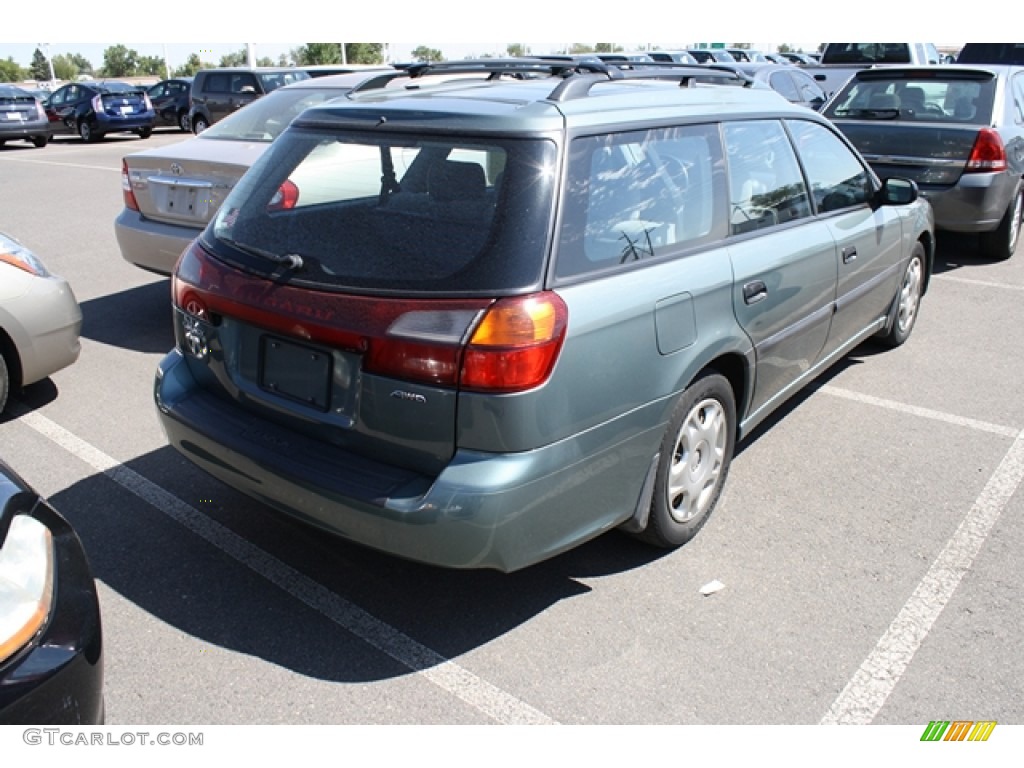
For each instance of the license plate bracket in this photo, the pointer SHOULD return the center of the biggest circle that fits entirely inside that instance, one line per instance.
(295, 371)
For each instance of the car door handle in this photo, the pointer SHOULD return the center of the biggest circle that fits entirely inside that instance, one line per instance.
(755, 291)
(849, 254)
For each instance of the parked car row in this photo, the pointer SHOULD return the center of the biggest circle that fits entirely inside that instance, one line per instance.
(393, 273)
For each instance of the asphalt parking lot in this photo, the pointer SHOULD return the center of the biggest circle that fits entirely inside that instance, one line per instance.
(868, 539)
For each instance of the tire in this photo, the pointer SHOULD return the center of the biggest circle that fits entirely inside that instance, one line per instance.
(5, 383)
(184, 123)
(40, 141)
(199, 124)
(695, 455)
(1000, 243)
(86, 132)
(145, 133)
(907, 301)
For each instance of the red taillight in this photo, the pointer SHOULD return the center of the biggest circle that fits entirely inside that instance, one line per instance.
(516, 344)
(126, 188)
(988, 153)
(513, 347)
(286, 197)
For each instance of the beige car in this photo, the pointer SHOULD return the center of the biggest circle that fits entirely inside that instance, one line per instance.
(172, 192)
(40, 320)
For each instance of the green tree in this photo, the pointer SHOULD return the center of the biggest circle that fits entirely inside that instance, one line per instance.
(517, 49)
(83, 64)
(236, 59)
(364, 53)
(64, 67)
(581, 48)
(192, 65)
(784, 48)
(607, 47)
(119, 61)
(318, 53)
(39, 69)
(151, 65)
(265, 61)
(11, 71)
(423, 53)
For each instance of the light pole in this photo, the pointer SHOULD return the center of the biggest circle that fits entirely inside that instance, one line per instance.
(46, 51)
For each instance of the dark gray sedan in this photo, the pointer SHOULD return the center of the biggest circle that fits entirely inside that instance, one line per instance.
(22, 117)
(958, 131)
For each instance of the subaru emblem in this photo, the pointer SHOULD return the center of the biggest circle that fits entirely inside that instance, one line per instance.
(176, 169)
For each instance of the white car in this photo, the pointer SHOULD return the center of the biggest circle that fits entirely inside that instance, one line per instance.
(40, 320)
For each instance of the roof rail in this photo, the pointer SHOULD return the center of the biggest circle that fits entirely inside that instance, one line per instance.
(578, 75)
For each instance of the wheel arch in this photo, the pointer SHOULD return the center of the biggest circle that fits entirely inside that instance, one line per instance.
(10, 353)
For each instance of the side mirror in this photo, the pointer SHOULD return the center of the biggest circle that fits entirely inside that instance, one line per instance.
(897, 191)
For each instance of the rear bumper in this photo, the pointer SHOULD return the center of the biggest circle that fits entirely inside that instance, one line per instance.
(975, 204)
(17, 129)
(104, 123)
(484, 510)
(149, 244)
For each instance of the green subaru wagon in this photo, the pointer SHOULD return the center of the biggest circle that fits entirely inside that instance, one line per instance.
(477, 313)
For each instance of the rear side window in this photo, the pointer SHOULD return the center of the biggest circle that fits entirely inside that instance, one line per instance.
(637, 196)
(766, 187)
(399, 213)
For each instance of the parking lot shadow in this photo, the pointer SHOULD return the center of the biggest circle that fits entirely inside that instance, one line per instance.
(138, 319)
(236, 575)
(954, 250)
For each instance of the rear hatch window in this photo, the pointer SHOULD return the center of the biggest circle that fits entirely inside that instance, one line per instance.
(400, 213)
(991, 53)
(866, 53)
(16, 104)
(122, 99)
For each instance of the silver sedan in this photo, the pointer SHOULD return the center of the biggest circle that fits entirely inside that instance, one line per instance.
(40, 320)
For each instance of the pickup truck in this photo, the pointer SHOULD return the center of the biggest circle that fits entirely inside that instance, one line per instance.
(840, 60)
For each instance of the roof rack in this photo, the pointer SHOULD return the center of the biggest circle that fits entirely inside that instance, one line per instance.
(578, 75)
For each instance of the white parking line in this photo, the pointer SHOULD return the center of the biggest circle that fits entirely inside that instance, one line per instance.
(866, 693)
(64, 165)
(479, 694)
(914, 410)
(969, 281)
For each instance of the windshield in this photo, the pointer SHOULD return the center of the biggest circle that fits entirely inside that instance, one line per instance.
(398, 213)
(939, 98)
(265, 119)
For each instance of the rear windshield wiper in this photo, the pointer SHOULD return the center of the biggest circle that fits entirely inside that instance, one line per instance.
(888, 113)
(290, 260)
